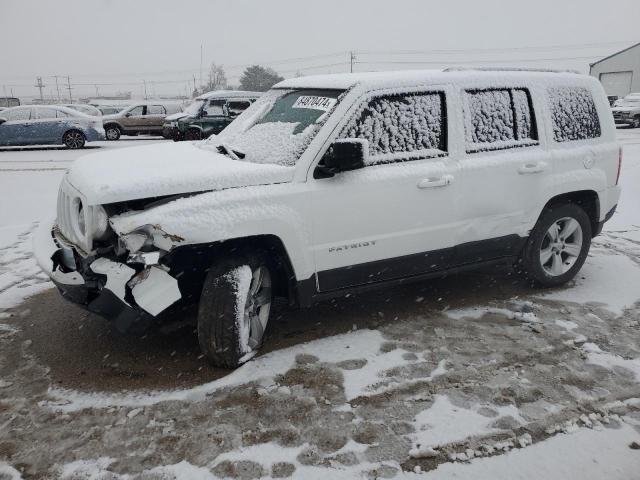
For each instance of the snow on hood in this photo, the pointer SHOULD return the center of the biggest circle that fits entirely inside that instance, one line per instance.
(176, 116)
(165, 169)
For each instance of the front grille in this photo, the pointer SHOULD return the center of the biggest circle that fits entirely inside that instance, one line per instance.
(69, 207)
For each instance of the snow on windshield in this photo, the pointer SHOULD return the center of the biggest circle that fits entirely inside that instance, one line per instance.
(194, 107)
(279, 126)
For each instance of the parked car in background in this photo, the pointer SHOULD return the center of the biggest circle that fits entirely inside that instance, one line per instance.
(208, 114)
(612, 99)
(627, 111)
(111, 109)
(339, 183)
(7, 102)
(84, 108)
(48, 125)
(137, 119)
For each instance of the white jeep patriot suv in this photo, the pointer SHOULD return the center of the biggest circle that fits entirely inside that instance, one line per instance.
(336, 183)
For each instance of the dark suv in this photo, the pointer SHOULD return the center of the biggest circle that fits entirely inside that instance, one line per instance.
(208, 114)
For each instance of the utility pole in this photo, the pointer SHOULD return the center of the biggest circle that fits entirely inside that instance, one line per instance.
(97, 91)
(352, 59)
(40, 86)
(144, 83)
(57, 87)
(69, 88)
(200, 64)
(194, 85)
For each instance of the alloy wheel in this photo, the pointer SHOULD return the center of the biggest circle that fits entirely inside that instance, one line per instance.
(258, 306)
(74, 139)
(561, 246)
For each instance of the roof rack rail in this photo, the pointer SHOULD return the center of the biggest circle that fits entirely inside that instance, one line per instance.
(508, 69)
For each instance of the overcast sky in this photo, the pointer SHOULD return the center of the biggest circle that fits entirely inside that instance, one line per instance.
(127, 41)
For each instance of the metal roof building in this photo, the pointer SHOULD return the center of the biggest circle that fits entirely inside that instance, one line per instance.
(619, 73)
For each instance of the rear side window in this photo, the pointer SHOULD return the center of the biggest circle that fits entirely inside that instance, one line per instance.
(573, 113)
(45, 113)
(156, 110)
(401, 126)
(236, 107)
(498, 118)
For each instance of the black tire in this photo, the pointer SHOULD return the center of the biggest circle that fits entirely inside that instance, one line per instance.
(193, 134)
(636, 122)
(223, 339)
(112, 132)
(531, 260)
(74, 139)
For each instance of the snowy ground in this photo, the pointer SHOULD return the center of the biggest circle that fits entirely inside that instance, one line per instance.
(476, 376)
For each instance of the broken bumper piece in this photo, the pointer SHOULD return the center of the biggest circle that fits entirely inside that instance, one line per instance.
(126, 295)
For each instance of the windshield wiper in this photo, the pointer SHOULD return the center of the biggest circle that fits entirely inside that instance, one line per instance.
(230, 152)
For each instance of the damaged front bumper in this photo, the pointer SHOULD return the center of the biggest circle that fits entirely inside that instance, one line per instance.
(128, 293)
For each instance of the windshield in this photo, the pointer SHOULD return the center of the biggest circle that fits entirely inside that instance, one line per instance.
(194, 107)
(279, 126)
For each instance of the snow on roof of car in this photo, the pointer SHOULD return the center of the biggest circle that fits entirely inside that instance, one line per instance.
(229, 94)
(412, 77)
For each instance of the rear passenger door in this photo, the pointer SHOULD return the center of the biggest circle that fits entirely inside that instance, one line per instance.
(47, 127)
(154, 117)
(394, 217)
(501, 174)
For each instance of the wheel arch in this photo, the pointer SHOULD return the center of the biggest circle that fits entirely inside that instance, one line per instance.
(192, 262)
(588, 200)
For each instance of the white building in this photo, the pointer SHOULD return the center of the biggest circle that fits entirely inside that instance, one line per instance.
(619, 73)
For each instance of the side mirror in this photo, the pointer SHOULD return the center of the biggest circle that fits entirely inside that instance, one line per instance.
(2, 120)
(128, 114)
(343, 155)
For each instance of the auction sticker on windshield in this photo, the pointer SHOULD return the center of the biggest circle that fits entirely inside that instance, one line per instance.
(314, 103)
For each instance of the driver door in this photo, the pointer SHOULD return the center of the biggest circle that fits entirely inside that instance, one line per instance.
(214, 117)
(393, 218)
(134, 119)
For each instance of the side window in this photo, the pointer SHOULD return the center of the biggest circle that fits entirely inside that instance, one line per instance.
(236, 107)
(156, 110)
(17, 115)
(215, 108)
(44, 113)
(401, 126)
(573, 113)
(498, 118)
(137, 111)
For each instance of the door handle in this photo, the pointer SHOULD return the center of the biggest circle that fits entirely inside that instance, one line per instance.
(442, 181)
(534, 167)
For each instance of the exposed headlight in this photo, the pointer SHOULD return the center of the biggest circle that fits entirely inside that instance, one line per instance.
(93, 223)
(100, 222)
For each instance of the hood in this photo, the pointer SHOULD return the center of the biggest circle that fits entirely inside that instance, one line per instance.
(165, 169)
(176, 116)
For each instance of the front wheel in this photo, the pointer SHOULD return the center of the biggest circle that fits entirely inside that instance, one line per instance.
(234, 310)
(74, 139)
(193, 134)
(558, 245)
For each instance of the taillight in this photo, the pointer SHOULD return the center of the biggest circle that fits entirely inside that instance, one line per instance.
(619, 164)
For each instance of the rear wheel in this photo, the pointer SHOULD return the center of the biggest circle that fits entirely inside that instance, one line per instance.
(193, 134)
(636, 122)
(74, 139)
(234, 309)
(112, 132)
(558, 245)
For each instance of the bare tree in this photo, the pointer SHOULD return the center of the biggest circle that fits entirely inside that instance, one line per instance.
(217, 78)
